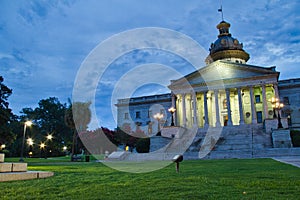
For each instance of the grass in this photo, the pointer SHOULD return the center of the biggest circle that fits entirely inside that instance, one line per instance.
(198, 179)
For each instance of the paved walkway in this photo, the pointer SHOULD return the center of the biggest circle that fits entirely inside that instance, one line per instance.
(292, 160)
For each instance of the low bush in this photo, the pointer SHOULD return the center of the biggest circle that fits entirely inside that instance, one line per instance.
(143, 145)
(295, 136)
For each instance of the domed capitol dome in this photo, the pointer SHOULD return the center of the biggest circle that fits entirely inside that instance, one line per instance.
(226, 47)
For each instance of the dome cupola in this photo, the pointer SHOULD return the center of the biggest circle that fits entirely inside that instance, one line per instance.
(226, 47)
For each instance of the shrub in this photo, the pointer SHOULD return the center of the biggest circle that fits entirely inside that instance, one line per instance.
(143, 145)
(295, 136)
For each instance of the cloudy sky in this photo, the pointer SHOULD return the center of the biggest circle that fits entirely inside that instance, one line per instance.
(44, 43)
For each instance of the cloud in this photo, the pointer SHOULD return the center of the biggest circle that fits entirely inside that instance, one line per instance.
(43, 43)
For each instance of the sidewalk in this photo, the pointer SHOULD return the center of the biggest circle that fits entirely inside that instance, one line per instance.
(292, 160)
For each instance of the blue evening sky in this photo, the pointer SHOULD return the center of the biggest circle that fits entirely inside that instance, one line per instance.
(43, 43)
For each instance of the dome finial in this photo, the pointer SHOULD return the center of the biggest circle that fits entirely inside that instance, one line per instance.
(221, 10)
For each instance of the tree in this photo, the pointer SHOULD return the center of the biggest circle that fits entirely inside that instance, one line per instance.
(6, 115)
(77, 117)
(49, 119)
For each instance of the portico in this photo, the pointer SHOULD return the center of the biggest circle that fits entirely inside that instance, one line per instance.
(225, 107)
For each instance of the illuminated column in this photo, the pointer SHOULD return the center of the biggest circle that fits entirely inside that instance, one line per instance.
(241, 106)
(206, 123)
(216, 92)
(229, 122)
(173, 100)
(174, 105)
(253, 110)
(183, 111)
(275, 85)
(265, 110)
(195, 108)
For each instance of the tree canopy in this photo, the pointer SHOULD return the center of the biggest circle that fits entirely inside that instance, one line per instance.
(6, 115)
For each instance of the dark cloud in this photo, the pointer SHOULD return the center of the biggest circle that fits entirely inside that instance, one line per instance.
(43, 43)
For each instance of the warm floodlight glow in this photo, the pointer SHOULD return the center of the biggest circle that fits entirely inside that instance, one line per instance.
(42, 145)
(3, 146)
(30, 141)
(158, 116)
(49, 137)
(172, 110)
(28, 123)
(65, 148)
(277, 105)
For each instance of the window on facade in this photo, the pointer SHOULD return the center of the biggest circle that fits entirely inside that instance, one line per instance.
(225, 104)
(138, 115)
(259, 117)
(126, 116)
(257, 99)
(286, 101)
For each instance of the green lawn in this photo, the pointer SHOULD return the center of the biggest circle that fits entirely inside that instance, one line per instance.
(201, 179)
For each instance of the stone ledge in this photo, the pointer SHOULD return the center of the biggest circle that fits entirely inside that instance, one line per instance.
(2, 155)
(14, 176)
(172, 132)
(13, 167)
(5, 167)
(118, 155)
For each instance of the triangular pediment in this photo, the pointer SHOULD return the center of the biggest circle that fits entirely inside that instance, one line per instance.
(225, 71)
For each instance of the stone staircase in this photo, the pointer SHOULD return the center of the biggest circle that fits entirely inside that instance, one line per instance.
(245, 141)
(229, 142)
(18, 171)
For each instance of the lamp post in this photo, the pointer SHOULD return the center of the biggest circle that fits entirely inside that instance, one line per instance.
(158, 117)
(42, 147)
(276, 105)
(172, 111)
(27, 123)
(49, 138)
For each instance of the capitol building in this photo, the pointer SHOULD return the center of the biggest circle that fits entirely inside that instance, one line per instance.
(249, 102)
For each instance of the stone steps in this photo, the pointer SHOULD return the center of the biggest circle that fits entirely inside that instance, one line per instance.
(248, 153)
(15, 176)
(18, 171)
(13, 167)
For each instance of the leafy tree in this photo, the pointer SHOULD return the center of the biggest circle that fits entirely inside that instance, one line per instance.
(6, 115)
(49, 119)
(77, 117)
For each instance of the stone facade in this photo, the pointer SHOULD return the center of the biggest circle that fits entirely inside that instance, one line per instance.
(137, 113)
(227, 95)
(289, 91)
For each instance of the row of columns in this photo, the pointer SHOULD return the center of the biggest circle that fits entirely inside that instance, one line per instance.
(240, 104)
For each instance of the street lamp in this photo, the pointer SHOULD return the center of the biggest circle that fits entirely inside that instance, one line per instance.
(172, 111)
(27, 123)
(158, 117)
(42, 147)
(276, 105)
(30, 141)
(49, 137)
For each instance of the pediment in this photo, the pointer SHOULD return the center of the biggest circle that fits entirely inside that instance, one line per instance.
(225, 71)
